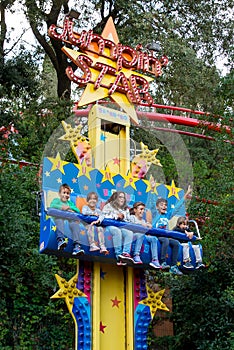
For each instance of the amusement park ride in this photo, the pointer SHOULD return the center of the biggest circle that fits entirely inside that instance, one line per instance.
(112, 306)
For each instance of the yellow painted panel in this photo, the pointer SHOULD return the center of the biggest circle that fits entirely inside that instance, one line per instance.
(129, 310)
(109, 139)
(112, 308)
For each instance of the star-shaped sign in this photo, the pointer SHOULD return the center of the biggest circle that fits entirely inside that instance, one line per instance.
(100, 85)
(68, 291)
(58, 163)
(115, 302)
(173, 190)
(154, 301)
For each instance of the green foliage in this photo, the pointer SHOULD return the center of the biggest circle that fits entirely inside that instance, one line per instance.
(20, 78)
(28, 318)
(203, 302)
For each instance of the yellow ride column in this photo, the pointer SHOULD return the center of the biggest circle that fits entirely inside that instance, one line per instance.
(113, 286)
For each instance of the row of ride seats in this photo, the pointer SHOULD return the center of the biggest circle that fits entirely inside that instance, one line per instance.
(48, 243)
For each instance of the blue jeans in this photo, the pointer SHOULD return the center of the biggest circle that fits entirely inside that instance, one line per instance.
(153, 241)
(175, 246)
(139, 237)
(122, 239)
(74, 227)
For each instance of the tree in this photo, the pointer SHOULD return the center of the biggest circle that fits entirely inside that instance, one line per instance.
(203, 27)
(29, 319)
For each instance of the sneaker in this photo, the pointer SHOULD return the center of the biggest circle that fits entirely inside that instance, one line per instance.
(174, 269)
(188, 265)
(137, 259)
(125, 257)
(200, 265)
(121, 263)
(155, 264)
(78, 251)
(103, 250)
(62, 243)
(165, 266)
(93, 248)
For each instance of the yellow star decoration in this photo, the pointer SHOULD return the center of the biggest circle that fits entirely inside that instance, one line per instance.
(149, 187)
(91, 94)
(83, 171)
(74, 136)
(107, 175)
(154, 301)
(68, 291)
(173, 190)
(130, 180)
(149, 156)
(58, 163)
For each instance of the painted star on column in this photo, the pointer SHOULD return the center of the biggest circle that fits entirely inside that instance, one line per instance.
(154, 301)
(173, 190)
(116, 160)
(58, 163)
(102, 327)
(102, 274)
(68, 290)
(115, 302)
(102, 137)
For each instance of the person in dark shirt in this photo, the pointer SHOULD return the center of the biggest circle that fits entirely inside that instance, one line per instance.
(182, 226)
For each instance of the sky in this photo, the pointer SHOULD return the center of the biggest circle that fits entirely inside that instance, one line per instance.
(20, 31)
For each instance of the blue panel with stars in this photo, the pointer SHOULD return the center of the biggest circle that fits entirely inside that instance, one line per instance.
(83, 180)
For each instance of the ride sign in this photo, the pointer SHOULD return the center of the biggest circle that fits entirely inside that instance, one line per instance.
(108, 68)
